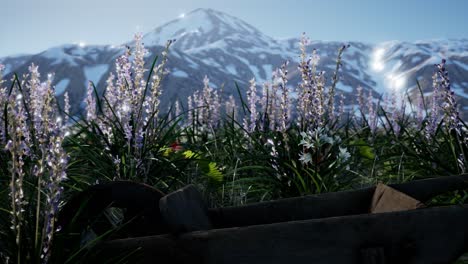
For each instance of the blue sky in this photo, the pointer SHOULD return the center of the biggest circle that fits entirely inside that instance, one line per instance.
(30, 26)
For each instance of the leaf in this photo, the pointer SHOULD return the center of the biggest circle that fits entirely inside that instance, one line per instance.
(189, 154)
(214, 173)
(365, 150)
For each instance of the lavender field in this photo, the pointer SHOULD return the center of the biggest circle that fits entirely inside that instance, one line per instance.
(292, 131)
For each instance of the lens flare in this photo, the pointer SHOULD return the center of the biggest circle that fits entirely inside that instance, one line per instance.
(396, 82)
(377, 60)
(399, 82)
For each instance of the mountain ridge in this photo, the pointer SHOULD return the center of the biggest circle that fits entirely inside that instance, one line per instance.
(227, 49)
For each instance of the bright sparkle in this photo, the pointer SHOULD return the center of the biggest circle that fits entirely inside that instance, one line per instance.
(377, 60)
(399, 82)
(182, 15)
(396, 82)
(125, 108)
(82, 44)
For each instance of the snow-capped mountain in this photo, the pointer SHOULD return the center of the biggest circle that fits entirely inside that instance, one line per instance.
(399, 64)
(229, 50)
(204, 27)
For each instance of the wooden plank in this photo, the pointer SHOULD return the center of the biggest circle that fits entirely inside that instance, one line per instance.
(423, 236)
(327, 204)
(185, 211)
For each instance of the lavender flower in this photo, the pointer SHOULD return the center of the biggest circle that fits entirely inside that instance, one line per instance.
(57, 161)
(18, 149)
(319, 100)
(231, 108)
(139, 86)
(273, 109)
(449, 106)
(196, 106)
(125, 94)
(434, 114)
(215, 109)
(113, 95)
(191, 113)
(152, 102)
(264, 101)
(178, 111)
(138, 66)
(306, 87)
(47, 158)
(285, 104)
(211, 115)
(66, 108)
(205, 108)
(341, 109)
(90, 104)
(372, 113)
(252, 99)
(395, 115)
(311, 100)
(2, 68)
(360, 99)
(3, 100)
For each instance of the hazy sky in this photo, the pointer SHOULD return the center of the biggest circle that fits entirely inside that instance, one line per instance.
(30, 26)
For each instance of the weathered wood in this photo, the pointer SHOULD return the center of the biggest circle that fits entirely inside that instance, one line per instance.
(151, 249)
(373, 255)
(144, 200)
(326, 228)
(140, 201)
(328, 204)
(185, 211)
(141, 213)
(291, 209)
(424, 190)
(423, 236)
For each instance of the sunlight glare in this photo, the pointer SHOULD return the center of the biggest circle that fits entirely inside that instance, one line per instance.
(399, 82)
(396, 82)
(182, 15)
(378, 66)
(377, 57)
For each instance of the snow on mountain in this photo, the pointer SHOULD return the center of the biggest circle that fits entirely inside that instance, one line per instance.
(179, 73)
(61, 86)
(202, 27)
(63, 54)
(12, 62)
(228, 50)
(400, 64)
(95, 73)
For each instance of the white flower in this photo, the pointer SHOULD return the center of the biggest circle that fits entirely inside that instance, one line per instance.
(305, 158)
(344, 154)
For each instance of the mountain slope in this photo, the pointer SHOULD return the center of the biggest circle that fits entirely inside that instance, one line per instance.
(202, 27)
(229, 50)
